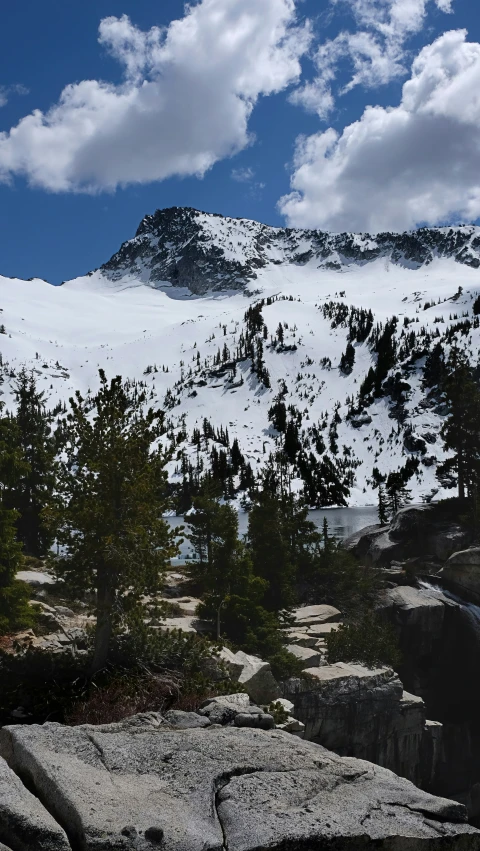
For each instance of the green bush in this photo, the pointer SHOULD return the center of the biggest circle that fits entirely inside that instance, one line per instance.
(15, 611)
(148, 671)
(367, 642)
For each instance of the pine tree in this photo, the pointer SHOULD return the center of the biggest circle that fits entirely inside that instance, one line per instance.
(382, 506)
(461, 429)
(107, 513)
(33, 489)
(213, 531)
(14, 595)
(271, 553)
(347, 360)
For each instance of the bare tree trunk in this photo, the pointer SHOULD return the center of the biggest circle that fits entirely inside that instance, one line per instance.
(104, 627)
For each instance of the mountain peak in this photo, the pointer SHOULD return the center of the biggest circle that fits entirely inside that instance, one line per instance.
(203, 252)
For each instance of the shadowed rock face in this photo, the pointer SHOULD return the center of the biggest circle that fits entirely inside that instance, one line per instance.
(140, 785)
(365, 713)
(187, 248)
(439, 639)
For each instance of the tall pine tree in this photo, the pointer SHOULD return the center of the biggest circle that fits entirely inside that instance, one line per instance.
(461, 429)
(32, 490)
(108, 509)
(14, 595)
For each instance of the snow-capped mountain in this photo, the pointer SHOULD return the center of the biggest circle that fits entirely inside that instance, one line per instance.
(224, 319)
(203, 252)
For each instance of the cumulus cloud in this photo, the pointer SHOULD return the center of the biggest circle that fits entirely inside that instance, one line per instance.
(402, 166)
(376, 51)
(185, 101)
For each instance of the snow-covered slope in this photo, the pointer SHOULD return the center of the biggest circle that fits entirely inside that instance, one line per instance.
(171, 305)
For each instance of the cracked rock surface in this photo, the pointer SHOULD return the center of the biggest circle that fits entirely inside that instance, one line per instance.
(142, 784)
(24, 823)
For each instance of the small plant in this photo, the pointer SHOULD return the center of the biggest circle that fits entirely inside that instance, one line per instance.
(278, 712)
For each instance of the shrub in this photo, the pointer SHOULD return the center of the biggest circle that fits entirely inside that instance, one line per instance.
(148, 671)
(368, 642)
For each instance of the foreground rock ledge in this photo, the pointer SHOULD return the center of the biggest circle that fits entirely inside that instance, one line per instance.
(143, 784)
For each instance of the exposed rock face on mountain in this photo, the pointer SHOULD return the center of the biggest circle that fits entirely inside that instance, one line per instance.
(143, 785)
(229, 325)
(365, 713)
(200, 251)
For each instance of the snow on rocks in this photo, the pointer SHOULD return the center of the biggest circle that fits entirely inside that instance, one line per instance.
(122, 316)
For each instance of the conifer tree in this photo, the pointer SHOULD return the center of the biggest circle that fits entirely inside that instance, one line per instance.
(461, 429)
(271, 553)
(32, 490)
(214, 535)
(382, 505)
(14, 595)
(108, 511)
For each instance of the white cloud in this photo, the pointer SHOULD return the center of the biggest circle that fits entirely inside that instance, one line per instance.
(242, 175)
(398, 167)
(185, 103)
(7, 91)
(376, 51)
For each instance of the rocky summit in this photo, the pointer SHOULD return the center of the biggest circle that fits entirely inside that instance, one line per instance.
(202, 251)
(328, 346)
(145, 784)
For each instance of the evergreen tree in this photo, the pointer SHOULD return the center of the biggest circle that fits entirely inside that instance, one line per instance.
(291, 443)
(461, 429)
(271, 552)
(14, 595)
(382, 505)
(32, 490)
(107, 513)
(347, 360)
(434, 369)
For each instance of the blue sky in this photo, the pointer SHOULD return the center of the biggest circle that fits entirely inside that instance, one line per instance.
(256, 108)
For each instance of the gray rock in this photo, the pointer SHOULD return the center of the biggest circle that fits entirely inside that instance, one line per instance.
(258, 720)
(24, 823)
(462, 574)
(257, 678)
(185, 720)
(365, 713)
(306, 656)
(203, 790)
(470, 556)
(303, 639)
(417, 613)
(418, 531)
(228, 658)
(224, 709)
(312, 615)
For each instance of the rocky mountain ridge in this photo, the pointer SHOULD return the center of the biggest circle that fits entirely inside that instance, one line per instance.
(206, 252)
(324, 345)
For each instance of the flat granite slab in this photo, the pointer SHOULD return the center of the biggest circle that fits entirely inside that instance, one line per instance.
(140, 785)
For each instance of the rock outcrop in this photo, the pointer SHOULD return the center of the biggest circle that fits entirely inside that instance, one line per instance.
(24, 823)
(365, 713)
(200, 251)
(419, 532)
(142, 785)
(439, 640)
(462, 574)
